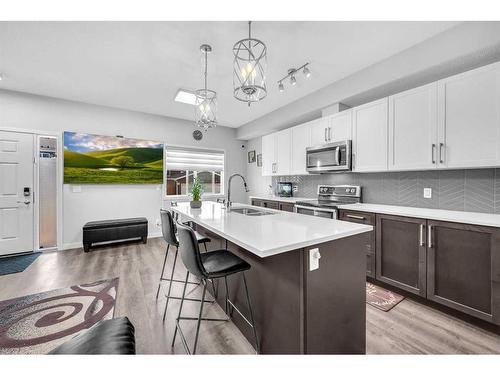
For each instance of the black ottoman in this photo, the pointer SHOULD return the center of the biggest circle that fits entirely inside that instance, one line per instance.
(114, 336)
(114, 230)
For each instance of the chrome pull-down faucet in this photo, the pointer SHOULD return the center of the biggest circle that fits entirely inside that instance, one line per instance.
(228, 201)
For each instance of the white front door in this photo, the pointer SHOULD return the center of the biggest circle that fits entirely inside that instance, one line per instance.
(16, 209)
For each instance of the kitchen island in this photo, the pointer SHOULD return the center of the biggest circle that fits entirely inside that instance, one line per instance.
(298, 309)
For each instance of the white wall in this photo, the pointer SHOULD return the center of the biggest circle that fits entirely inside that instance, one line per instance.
(97, 202)
(257, 183)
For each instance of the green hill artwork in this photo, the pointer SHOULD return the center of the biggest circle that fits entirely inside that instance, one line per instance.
(94, 159)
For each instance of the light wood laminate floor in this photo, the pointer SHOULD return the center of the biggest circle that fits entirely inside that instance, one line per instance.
(409, 328)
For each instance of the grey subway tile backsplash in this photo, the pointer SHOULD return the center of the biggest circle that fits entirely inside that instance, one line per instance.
(476, 190)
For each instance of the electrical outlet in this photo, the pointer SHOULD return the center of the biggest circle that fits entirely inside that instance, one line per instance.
(314, 257)
(427, 193)
(295, 188)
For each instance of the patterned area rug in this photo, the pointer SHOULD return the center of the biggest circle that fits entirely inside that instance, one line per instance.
(381, 298)
(38, 323)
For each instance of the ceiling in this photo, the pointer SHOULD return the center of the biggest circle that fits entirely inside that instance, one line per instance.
(140, 65)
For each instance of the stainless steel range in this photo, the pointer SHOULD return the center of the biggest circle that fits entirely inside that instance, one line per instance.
(329, 198)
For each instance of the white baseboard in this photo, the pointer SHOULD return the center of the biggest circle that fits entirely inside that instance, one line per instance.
(78, 245)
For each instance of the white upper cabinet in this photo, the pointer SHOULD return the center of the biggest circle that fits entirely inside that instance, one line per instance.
(268, 154)
(468, 119)
(319, 131)
(340, 126)
(276, 153)
(370, 136)
(413, 129)
(301, 139)
(283, 152)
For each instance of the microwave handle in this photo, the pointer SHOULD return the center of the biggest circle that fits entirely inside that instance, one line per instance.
(337, 155)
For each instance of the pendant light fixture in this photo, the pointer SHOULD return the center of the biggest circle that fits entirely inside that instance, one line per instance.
(249, 69)
(206, 100)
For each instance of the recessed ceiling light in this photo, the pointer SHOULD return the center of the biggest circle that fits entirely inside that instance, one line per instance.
(186, 97)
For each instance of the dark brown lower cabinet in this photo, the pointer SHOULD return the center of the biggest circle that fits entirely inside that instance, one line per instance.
(401, 252)
(273, 204)
(256, 202)
(463, 268)
(286, 207)
(368, 219)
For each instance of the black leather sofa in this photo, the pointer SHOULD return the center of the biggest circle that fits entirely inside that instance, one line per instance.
(113, 336)
(114, 230)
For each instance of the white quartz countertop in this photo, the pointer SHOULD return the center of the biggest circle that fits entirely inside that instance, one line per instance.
(476, 218)
(281, 199)
(269, 234)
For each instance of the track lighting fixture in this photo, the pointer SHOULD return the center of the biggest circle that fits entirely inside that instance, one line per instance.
(292, 73)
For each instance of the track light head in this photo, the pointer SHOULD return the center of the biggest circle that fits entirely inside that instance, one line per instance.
(281, 87)
(293, 80)
(306, 71)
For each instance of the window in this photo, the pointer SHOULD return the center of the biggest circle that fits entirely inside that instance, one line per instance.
(183, 165)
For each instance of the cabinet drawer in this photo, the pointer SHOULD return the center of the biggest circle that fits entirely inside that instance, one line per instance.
(286, 207)
(270, 204)
(256, 202)
(357, 217)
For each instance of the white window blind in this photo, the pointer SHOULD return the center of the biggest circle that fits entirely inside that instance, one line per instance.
(194, 159)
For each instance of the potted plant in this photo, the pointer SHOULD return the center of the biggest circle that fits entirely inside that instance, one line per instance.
(196, 191)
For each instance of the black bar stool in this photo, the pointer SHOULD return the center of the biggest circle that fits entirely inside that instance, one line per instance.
(208, 266)
(168, 229)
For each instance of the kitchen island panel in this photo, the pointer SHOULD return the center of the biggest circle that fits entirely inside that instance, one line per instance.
(298, 311)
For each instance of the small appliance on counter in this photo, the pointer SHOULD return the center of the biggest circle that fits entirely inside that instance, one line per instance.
(285, 189)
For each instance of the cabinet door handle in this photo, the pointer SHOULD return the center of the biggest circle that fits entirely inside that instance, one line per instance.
(421, 234)
(433, 152)
(441, 147)
(326, 139)
(330, 134)
(356, 217)
(429, 236)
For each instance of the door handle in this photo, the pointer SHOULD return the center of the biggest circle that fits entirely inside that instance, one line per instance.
(26, 202)
(429, 236)
(326, 139)
(433, 152)
(421, 234)
(441, 147)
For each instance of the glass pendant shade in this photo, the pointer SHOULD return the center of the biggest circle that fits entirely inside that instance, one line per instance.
(205, 107)
(249, 69)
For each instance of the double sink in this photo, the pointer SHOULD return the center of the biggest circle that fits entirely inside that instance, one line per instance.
(251, 211)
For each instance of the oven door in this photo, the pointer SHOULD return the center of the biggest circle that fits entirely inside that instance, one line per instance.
(314, 211)
(329, 158)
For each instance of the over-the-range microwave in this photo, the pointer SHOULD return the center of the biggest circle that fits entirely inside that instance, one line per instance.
(330, 157)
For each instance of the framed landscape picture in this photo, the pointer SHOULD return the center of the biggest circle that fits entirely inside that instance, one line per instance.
(102, 159)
